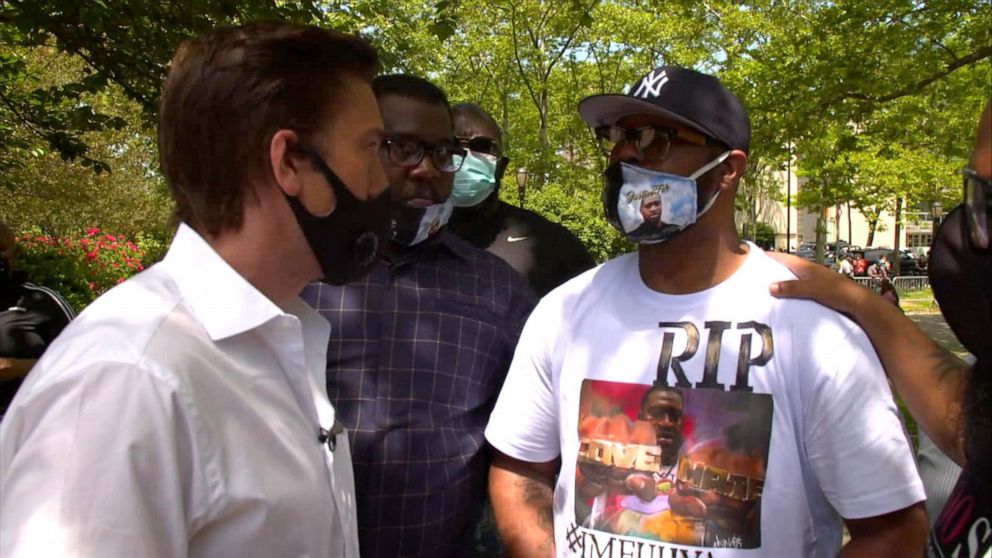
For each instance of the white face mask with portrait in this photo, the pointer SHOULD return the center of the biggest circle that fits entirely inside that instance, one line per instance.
(413, 225)
(631, 195)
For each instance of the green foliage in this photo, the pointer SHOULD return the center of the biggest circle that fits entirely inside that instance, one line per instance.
(764, 235)
(84, 266)
(874, 100)
(59, 197)
(582, 213)
(124, 42)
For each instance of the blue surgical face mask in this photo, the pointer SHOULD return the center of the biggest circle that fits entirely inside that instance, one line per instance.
(413, 225)
(475, 181)
(632, 196)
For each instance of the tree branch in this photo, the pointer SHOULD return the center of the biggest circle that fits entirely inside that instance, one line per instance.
(568, 42)
(516, 57)
(980, 54)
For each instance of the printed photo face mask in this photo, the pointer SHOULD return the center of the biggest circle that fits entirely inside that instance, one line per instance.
(650, 207)
(413, 225)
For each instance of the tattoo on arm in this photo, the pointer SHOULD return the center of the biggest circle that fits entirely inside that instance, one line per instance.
(541, 497)
(945, 363)
(948, 367)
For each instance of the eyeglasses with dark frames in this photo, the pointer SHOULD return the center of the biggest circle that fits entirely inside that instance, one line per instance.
(406, 152)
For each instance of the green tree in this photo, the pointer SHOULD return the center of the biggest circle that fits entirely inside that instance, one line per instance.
(44, 191)
(877, 99)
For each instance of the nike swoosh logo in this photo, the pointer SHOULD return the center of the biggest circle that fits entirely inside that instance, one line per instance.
(516, 238)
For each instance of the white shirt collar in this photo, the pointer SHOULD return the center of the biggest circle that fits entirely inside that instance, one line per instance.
(223, 301)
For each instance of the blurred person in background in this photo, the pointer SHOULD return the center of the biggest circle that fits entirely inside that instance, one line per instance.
(31, 316)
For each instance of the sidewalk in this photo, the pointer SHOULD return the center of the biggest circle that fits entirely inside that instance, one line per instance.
(938, 330)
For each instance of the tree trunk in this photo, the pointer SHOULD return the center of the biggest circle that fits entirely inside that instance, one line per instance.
(821, 232)
(504, 101)
(896, 242)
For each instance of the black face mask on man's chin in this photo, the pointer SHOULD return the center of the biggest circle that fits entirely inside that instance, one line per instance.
(347, 242)
(961, 278)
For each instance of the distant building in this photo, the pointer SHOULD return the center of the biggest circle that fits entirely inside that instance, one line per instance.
(795, 226)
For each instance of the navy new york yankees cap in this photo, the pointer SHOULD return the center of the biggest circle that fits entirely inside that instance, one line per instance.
(686, 96)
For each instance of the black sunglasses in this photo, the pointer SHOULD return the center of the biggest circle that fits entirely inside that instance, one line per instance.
(480, 144)
(673, 415)
(658, 138)
(978, 208)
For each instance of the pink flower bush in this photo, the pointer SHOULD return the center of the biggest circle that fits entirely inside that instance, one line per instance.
(84, 267)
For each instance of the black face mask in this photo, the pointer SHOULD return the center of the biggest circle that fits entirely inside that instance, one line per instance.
(961, 278)
(347, 242)
(6, 274)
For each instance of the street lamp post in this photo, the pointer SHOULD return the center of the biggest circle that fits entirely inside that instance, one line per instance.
(521, 184)
(937, 213)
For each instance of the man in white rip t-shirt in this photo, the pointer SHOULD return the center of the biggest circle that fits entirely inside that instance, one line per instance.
(684, 410)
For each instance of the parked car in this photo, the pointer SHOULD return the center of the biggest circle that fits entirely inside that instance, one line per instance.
(807, 251)
(835, 246)
(907, 263)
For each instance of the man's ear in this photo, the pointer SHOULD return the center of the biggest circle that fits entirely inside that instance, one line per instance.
(287, 161)
(733, 169)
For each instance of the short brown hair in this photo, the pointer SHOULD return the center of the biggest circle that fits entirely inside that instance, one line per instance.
(228, 91)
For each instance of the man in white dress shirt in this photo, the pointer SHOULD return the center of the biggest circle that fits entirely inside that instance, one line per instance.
(184, 412)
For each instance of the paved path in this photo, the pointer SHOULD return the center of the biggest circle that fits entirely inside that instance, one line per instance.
(938, 330)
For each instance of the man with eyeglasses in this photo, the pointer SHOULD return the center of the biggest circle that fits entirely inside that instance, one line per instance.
(545, 253)
(793, 426)
(950, 400)
(421, 345)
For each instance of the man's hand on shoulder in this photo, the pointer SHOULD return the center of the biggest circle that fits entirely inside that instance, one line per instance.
(821, 285)
(929, 380)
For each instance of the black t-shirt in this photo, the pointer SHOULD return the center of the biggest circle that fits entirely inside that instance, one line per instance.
(545, 253)
(31, 317)
(964, 527)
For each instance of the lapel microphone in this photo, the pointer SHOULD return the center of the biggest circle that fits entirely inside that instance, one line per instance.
(330, 437)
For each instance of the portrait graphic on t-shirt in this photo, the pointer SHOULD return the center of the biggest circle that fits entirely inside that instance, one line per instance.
(684, 466)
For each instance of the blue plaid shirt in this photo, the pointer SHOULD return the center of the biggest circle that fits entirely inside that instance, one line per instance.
(418, 352)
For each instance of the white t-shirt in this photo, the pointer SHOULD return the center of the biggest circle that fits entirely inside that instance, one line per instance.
(786, 422)
(845, 267)
(178, 416)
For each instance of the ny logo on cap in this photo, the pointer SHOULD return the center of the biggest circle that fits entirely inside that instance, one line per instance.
(651, 85)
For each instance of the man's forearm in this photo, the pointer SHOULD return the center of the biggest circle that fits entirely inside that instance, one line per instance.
(896, 534)
(522, 504)
(929, 379)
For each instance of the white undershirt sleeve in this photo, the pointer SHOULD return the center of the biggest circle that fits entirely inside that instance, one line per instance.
(524, 424)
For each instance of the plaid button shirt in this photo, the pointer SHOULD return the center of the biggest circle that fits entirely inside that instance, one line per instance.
(418, 352)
